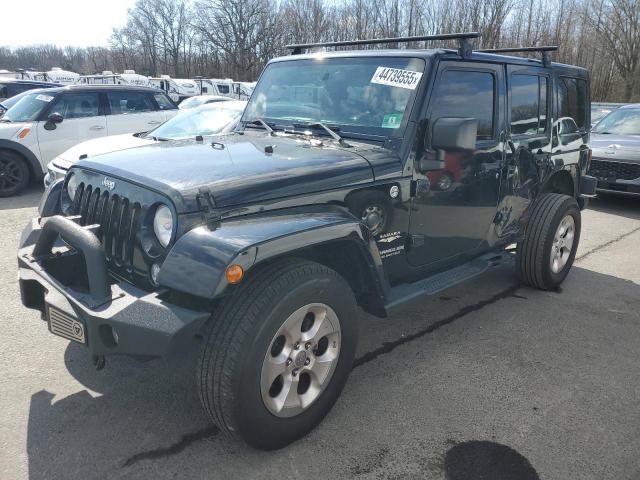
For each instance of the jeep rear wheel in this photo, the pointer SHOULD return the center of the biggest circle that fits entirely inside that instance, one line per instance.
(278, 353)
(547, 252)
(14, 174)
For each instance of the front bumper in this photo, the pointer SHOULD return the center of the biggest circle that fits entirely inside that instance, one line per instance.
(118, 318)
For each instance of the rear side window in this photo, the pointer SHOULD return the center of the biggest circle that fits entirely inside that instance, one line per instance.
(528, 104)
(466, 94)
(129, 102)
(164, 102)
(224, 89)
(572, 100)
(77, 105)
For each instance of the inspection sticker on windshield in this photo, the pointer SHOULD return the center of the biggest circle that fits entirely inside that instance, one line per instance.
(44, 98)
(395, 77)
(392, 120)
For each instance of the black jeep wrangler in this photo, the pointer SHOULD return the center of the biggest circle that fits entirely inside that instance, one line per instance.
(355, 179)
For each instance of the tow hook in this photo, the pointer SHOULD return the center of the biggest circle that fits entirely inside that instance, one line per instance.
(99, 361)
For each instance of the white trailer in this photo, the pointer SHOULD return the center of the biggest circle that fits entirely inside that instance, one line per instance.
(177, 88)
(107, 77)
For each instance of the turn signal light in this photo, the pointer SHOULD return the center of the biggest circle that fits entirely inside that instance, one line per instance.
(234, 274)
(24, 133)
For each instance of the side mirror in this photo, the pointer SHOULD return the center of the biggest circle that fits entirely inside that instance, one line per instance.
(568, 130)
(52, 120)
(449, 134)
(454, 134)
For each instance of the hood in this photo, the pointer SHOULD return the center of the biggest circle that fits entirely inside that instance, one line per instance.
(616, 147)
(98, 146)
(236, 171)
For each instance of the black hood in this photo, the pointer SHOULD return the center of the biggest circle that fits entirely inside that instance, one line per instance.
(237, 171)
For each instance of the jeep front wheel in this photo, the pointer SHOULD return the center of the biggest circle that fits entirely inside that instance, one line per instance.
(278, 353)
(547, 252)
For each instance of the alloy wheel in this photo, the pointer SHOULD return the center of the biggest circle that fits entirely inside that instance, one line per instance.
(301, 359)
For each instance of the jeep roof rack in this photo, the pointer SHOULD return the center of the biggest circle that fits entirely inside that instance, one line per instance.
(464, 49)
(545, 49)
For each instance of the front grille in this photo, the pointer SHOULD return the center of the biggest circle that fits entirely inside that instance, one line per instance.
(117, 218)
(615, 170)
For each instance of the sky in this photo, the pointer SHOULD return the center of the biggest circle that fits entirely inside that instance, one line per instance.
(80, 23)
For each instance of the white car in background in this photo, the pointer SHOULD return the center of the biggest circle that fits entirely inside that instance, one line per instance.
(193, 102)
(210, 119)
(46, 122)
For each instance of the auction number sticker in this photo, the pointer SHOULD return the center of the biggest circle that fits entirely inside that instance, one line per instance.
(44, 98)
(396, 77)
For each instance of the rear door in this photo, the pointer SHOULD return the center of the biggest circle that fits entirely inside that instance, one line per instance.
(528, 142)
(131, 111)
(166, 107)
(83, 119)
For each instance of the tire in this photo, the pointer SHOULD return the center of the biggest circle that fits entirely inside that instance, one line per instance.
(534, 262)
(241, 339)
(14, 173)
(374, 208)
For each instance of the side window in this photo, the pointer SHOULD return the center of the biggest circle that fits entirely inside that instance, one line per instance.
(528, 104)
(129, 102)
(3, 91)
(223, 89)
(572, 100)
(164, 102)
(77, 105)
(467, 94)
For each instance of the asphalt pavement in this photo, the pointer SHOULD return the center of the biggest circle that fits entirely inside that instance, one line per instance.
(488, 380)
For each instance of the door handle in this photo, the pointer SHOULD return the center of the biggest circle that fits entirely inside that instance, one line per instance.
(97, 127)
(154, 122)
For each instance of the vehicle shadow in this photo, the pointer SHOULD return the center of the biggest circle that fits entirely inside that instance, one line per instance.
(27, 199)
(144, 420)
(620, 205)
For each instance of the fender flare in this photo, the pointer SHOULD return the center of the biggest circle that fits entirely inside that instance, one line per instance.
(198, 261)
(32, 161)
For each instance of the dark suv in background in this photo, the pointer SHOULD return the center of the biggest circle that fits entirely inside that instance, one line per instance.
(257, 247)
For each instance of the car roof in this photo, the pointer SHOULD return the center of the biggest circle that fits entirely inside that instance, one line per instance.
(429, 53)
(28, 82)
(631, 106)
(91, 88)
(229, 105)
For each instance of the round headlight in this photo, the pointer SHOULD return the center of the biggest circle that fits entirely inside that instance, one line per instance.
(72, 186)
(163, 225)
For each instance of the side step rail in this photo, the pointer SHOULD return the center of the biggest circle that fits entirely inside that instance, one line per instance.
(403, 293)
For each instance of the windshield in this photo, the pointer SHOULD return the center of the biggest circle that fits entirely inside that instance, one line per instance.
(370, 95)
(624, 121)
(10, 102)
(28, 108)
(199, 121)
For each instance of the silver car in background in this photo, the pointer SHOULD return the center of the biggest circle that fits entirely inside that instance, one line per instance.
(615, 141)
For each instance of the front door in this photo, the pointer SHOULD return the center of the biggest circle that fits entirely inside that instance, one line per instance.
(83, 119)
(454, 216)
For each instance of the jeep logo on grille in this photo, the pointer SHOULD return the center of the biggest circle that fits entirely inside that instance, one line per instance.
(108, 184)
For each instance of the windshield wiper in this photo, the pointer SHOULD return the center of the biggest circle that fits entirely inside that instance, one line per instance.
(330, 130)
(260, 122)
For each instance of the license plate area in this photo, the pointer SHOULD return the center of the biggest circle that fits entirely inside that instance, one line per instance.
(65, 325)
